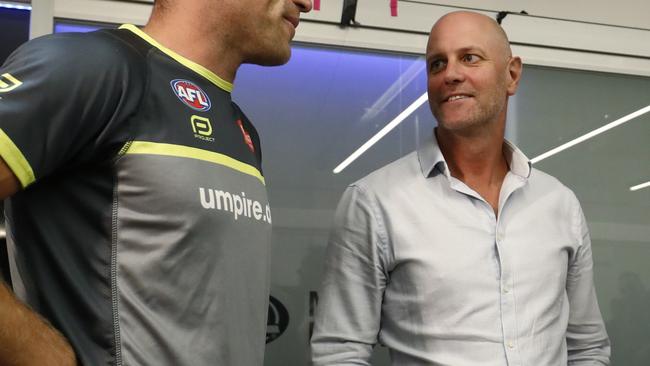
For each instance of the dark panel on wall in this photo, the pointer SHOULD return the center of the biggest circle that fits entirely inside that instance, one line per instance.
(14, 30)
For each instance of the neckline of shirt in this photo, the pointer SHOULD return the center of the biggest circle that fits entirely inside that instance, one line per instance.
(199, 69)
(430, 157)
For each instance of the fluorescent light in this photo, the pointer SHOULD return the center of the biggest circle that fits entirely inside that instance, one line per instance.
(392, 124)
(394, 90)
(591, 134)
(15, 6)
(640, 186)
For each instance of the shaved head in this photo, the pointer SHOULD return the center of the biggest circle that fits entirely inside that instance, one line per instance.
(483, 24)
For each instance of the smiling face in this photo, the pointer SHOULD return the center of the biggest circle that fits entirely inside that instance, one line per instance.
(470, 71)
(263, 29)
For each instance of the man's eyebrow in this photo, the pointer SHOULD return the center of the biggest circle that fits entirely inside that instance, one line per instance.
(462, 51)
(471, 49)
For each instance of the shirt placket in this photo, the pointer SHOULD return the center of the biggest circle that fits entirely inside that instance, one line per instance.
(507, 299)
(507, 305)
(507, 277)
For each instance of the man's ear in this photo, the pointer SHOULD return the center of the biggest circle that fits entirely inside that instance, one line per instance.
(515, 69)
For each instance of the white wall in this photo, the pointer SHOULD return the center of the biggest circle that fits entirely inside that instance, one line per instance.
(539, 38)
(630, 13)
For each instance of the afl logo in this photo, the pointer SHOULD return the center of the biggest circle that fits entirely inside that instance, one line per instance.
(278, 320)
(190, 94)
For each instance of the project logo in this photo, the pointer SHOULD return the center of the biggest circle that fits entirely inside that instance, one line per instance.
(202, 128)
(190, 94)
(8, 83)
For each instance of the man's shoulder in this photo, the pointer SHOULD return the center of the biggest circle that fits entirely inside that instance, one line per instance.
(84, 64)
(93, 50)
(394, 174)
(544, 183)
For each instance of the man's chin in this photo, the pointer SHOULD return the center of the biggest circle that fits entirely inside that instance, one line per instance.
(456, 125)
(273, 57)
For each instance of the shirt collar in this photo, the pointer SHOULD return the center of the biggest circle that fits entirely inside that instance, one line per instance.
(431, 157)
(518, 163)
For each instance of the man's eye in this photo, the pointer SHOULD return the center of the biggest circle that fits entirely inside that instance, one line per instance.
(469, 58)
(436, 65)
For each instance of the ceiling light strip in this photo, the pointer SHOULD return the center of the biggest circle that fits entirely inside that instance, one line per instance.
(640, 186)
(16, 6)
(378, 136)
(591, 134)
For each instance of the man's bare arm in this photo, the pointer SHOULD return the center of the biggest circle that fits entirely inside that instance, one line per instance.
(26, 339)
(9, 184)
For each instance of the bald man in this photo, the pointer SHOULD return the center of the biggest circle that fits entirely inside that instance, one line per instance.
(137, 218)
(461, 253)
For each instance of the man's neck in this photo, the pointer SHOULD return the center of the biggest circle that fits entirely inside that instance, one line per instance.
(188, 39)
(476, 159)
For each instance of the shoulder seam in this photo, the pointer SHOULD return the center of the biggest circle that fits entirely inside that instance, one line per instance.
(146, 78)
(382, 234)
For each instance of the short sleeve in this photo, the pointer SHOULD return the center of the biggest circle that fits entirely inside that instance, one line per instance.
(65, 100)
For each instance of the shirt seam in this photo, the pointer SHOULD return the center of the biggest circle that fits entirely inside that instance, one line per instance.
(117, 339)
(576, 229)
(381, 232)
(145, 91)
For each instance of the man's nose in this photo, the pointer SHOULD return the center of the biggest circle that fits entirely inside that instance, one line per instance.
(453, 73)
(303, 5)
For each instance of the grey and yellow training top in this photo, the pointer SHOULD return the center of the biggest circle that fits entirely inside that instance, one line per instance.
(143, 230)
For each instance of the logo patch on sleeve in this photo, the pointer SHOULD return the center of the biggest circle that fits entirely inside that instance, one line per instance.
(190, 94)
(8, 83)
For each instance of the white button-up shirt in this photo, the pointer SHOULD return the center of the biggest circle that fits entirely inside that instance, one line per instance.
(419, 262)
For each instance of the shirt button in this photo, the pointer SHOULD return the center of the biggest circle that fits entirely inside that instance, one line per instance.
(506, 290)
(511, 345)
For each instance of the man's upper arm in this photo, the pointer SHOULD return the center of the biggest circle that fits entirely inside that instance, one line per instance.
(61, 105)
(587, 340)
(349, 308)
(9, 183)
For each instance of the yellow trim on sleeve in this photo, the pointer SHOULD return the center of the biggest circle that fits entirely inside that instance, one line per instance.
(201, 70)
(16, 160)
(155, 148)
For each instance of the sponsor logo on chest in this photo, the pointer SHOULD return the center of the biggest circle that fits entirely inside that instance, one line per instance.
(191, 94)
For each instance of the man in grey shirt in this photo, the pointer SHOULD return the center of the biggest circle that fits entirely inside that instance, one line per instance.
(138, 223)
(461, 253)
